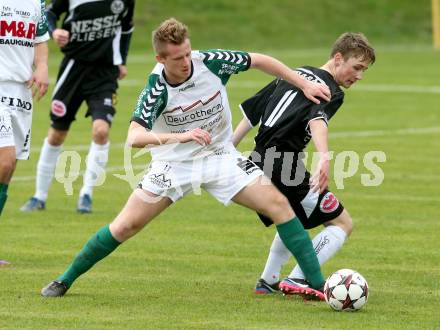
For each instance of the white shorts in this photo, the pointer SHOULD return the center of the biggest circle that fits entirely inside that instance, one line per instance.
(15, 117)
(223, 176)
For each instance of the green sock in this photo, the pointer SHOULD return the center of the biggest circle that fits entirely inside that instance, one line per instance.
(3, 195)
(97, 248)
(296, 239)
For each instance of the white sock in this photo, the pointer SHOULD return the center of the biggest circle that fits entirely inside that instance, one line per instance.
(326, 244)
(46, 168)
(96, 164)
(278, 256)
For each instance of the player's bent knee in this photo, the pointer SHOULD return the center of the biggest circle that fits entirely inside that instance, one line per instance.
(56, 137)
(278, 208)
(347, 223)
(344, 221)
(122, 231)
(100, 135)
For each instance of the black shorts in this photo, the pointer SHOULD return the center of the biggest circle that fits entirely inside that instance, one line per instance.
(77, 82)
(312, 209)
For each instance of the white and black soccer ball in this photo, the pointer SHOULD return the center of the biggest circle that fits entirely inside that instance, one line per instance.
(346, 290)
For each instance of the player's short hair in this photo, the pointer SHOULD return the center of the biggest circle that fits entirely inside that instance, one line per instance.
(351, 44)
(169, 31)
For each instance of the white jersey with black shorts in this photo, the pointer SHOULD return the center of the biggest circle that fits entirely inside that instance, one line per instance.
(22, 25)
(199, 102)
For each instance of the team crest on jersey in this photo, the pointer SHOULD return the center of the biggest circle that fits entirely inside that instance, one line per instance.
(117, 7)
(329, 203)
(58, 108)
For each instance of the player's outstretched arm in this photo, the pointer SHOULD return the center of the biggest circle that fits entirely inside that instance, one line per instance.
(313, 91)
(240, 131)
(139, 137)
(319, 131)
(40, 77)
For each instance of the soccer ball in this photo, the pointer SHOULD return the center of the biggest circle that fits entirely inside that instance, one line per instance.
(346, 290)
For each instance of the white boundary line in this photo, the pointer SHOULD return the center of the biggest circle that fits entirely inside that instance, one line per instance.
(375, 88)
(250, 84)
(395, 197)
(404, 131)
(148, 58)
(113, 169)
(109, 169)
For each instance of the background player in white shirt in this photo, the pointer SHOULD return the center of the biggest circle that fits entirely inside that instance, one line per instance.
(23, 46)
(183, 114)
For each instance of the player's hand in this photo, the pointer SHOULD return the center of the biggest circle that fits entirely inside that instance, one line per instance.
(39, 81)
(313, 91)
(61, 37)
(122, 71)
(319, 180)
(198, 135)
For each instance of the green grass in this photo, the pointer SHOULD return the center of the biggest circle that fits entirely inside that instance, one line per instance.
(288, 24)
(196, 265)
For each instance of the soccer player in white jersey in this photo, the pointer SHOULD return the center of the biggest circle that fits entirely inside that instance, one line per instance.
(183, 114)
(23, 45)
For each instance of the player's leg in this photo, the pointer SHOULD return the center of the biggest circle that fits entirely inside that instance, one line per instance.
(317, 209)
(278, 252)
(7, 167)
(15, 134)
(66, 101)
(266, 199)
(96, 164)
(278, 256)
(51, 149)
(102, 112)
(329, 241)
(140, 209)
(15, 131)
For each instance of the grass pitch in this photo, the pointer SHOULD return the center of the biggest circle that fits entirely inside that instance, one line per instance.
(196, 265)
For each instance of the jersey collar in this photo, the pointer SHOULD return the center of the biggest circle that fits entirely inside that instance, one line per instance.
(179, 84)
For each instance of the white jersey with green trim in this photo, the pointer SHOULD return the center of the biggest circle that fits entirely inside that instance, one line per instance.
(199, 102)
(22, 24)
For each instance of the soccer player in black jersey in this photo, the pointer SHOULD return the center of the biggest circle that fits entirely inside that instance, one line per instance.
(94, 38)
(288, 121)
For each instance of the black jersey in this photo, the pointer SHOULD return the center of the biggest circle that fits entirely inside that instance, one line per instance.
(284, 113)
(100, 30)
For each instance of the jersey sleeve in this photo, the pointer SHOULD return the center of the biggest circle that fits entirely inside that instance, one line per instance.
(253, 108)
(53, 12)
(127, 19)
(151, 102)
(325, 110)
(224, 63)
(127, 26)
(42, 33)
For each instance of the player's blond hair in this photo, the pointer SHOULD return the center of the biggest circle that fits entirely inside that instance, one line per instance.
(169, 31)
(351, 44)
